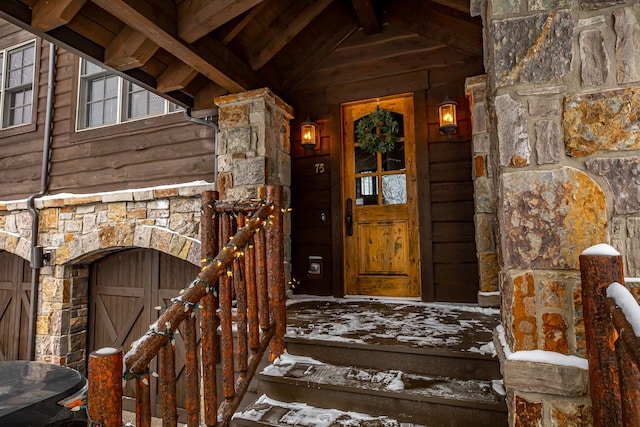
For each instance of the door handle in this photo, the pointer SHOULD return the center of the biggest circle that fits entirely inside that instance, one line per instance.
(348, 217)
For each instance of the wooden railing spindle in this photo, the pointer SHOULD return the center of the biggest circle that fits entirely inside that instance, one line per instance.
(143, 400)
(210, 223)
(191, 371)
(168, 385)
(275, 271)
(228, 376)
(261, 279)
(252, 297)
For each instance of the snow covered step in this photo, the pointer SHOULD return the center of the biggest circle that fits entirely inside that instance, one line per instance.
(407, 397)
(479, 364)
(269, 412)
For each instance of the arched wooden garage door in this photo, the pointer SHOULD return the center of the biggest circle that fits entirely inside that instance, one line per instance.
(125, 288)
(15, 283)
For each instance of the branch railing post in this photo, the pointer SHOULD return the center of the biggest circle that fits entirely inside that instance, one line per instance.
(597, 272)
(104, 396)
(209, 245)
(275, 269)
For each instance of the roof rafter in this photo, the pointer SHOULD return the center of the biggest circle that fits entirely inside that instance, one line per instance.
(130, 49)
(197, 18)
(217, 63)
(286, 27)
(46, 15)
(367, 16)
(416, 16)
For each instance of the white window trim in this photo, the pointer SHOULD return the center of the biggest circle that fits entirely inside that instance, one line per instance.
(121, 105)
(3, 90)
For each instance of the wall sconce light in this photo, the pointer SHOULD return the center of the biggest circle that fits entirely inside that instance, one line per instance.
(447, 116)
(308, 133)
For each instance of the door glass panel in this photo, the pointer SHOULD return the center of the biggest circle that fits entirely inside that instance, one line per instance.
(365, 161)
(394, 160)
(367, 190)
(394, 189)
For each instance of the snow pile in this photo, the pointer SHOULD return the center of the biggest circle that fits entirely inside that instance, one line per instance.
(540, 356)
(303, 415)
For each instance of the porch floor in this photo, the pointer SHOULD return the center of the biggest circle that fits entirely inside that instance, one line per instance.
(392, 322)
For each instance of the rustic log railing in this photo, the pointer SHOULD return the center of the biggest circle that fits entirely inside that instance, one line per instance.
(248, 268)
(613, 347)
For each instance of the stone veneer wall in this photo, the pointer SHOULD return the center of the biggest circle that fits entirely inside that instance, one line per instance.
(560, 160)
(79, 230)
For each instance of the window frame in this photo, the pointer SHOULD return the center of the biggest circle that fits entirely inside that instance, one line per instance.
(30, 124)
(122, 101)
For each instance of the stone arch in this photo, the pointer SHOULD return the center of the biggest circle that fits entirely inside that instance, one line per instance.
(15, 244)
(91, 246)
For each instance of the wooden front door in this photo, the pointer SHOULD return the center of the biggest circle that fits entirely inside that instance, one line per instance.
(125, 289)
(15, 285)
(382, 254)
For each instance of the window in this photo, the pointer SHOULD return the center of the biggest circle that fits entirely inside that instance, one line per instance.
(106, 99)
(17, 74)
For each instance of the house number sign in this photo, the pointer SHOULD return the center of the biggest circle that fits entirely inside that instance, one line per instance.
(320, 168)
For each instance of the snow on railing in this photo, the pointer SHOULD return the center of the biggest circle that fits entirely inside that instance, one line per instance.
(612, 325)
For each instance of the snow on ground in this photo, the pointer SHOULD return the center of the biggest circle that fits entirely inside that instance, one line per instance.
(303, 415)
(391, 321)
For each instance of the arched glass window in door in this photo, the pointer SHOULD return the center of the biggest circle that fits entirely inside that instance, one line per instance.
(381, 178)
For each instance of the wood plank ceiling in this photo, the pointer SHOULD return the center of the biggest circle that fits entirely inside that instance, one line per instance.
(190, 51)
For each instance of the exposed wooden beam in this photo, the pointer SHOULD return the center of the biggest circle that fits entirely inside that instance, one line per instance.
(243, 23)
(459, 5)
(205, 96)
(176, 77)
(48, 14)
(367, 16)
(337, 27)
(130, 49)
(197, 18)
(284, 28)
(216, 63)
(416, 16)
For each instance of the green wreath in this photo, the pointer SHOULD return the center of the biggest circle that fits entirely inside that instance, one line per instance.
(377, 131)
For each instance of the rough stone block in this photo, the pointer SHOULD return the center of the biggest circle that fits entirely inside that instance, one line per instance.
(627, 45)
(532, 49)
(249, 171)
(545, 378)
(503, 7)
(604, 121)
(545, 106)
(623, 176)
(117, 212)
(565, 413)
(550, 217)
(481, 143)
(238, 140)
(549, 146)
(548, 4)
(513, 137)
(554, 333)
(593, 58)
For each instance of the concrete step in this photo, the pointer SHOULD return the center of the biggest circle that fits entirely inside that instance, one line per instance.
(407, 397)
(269, 412)
(480, 365)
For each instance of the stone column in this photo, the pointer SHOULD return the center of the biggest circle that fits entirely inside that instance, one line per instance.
(484, 194)
(254, 150)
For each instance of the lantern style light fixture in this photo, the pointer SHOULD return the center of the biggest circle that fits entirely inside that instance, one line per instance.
(447, 116)
(308, 135)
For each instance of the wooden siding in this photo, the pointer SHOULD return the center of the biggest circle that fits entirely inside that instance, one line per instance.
(153, 151)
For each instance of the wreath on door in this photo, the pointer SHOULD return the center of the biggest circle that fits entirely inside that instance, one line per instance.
(377, 131)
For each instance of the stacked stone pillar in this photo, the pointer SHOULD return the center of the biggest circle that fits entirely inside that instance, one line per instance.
(254, 150)
(562, 86)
